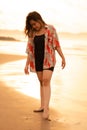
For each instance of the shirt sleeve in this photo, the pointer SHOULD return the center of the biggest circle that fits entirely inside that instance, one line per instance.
(56, 43)
(30, 46)
(27, 50)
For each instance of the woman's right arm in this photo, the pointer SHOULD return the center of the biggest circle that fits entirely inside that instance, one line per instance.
(28, 49)
(26, 69)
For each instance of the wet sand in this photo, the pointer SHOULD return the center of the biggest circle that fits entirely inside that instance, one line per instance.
(68, 107)
(16, 109)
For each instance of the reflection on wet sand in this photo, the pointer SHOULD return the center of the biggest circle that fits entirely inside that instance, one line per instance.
(68, 105)
(69, 87)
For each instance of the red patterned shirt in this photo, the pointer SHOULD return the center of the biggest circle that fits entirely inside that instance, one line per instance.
(51, 44)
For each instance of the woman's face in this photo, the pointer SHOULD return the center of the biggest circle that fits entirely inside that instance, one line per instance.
(36, 25)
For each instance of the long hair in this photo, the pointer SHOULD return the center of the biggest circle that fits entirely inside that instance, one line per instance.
(32, 16)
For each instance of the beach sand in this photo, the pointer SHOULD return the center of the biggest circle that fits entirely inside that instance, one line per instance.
(16, 108)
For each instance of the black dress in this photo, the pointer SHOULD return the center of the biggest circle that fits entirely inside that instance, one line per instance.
(39, 43)
(39, 51)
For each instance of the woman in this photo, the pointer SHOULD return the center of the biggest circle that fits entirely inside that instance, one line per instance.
(41, 46)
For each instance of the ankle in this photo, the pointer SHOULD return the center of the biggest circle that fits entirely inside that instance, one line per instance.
(46, 114)
(46, 108)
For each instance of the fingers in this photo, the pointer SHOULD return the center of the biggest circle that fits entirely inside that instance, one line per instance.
(26, 70)
(63, 64)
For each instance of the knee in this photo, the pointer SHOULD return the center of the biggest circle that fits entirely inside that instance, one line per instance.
(46, 82)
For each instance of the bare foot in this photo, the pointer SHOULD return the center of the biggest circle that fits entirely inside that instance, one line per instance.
(46, 114)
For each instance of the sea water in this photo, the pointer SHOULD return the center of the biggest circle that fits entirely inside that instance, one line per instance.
(68, 86)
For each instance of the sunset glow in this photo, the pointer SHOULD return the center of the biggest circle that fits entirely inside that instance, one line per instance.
(67, 16)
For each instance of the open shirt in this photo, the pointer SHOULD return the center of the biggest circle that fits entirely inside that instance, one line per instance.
(51, 44)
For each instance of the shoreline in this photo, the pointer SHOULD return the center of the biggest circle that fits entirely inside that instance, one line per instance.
(4, 58)
(16, 109)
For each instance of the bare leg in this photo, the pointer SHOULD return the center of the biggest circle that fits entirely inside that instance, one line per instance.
(45, 90)
(47, 74)
(40, 78)
(42, 96)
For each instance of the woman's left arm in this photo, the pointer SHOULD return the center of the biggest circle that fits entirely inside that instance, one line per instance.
(57, 47)
(62, 56)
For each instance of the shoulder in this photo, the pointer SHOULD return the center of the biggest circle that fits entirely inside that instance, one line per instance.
(50, 27)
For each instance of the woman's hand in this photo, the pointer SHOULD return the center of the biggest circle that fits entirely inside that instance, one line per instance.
(26, 70)
(63, 63)
(62, 56)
